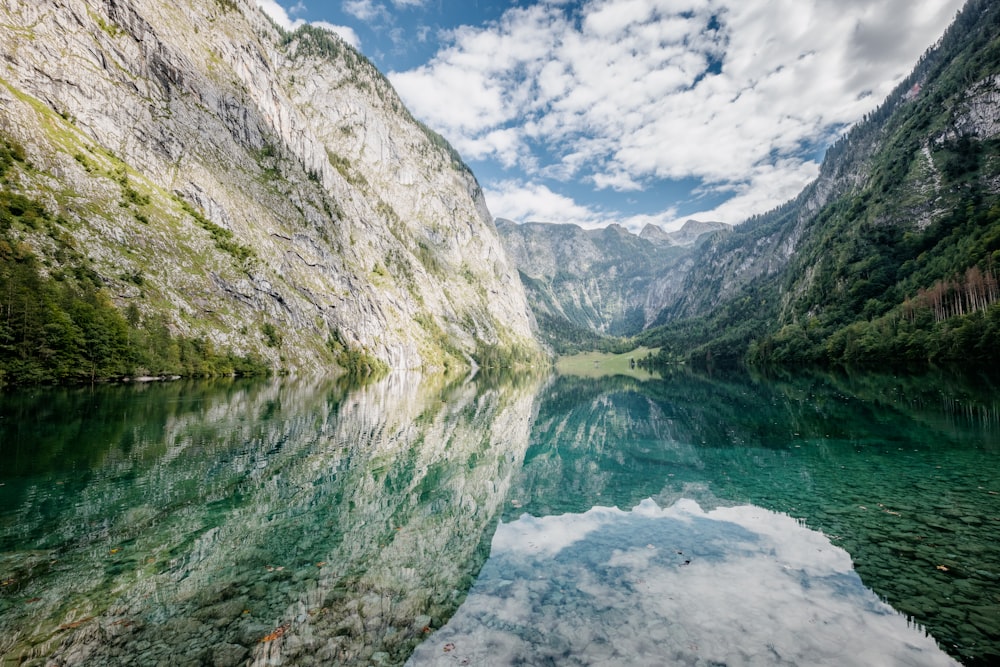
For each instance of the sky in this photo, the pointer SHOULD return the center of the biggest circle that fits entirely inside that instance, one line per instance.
(636, 111)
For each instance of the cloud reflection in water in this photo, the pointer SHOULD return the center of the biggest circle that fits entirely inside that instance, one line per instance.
(735, 586)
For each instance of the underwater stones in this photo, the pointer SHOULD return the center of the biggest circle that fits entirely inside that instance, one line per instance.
(986, 619)
(250, 633)
(966, 586)
(915, 606)
(229, 655)
(951, 615)
(222, 614)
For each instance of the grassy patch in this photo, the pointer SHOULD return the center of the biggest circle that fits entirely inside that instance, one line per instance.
(601, 364)
(60, 324)
(223, 238)
(356, 362)
(347, 170)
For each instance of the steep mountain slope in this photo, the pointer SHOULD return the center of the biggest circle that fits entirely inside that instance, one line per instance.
(891, 254)
(583, 284)
(260, 192)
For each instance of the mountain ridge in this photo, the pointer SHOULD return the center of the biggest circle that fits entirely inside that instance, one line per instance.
(907, 200)
(687, 235)
(891, 256)
(267, 192)
(599, 282)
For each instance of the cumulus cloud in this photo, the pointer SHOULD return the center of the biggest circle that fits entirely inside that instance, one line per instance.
(281, 16)
(535, 202)
(278, 14)
(370, 11)
(621, 94)
(365, 10)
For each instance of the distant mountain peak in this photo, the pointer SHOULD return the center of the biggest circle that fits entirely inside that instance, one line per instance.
(687, 235)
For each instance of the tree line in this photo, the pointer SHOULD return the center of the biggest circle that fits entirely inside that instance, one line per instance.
(976, 291)
(57, 321)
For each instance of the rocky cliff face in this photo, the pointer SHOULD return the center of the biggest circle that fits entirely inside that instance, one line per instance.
(241, 179)
(906, 203)
(609, 280)
(927, 152)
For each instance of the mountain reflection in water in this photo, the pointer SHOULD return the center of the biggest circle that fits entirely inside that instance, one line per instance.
(283, 522)
(689, 520)
(732, 586)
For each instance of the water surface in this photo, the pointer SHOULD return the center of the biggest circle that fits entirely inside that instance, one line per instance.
(689, 520)
(677, 585)
(229, 523)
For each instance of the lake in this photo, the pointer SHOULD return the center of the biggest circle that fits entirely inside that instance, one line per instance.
(690, 520)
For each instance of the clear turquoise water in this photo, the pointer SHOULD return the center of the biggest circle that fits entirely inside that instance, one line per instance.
(693, 520)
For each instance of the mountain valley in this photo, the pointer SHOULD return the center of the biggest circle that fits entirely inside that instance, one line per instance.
(190, 189)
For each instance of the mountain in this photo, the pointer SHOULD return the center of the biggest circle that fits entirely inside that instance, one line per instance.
(687, 235)
(891, 256)
(587, 284)
(187, 187)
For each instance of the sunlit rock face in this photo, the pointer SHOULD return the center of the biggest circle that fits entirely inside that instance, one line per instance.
(227, 175)
(274, 523)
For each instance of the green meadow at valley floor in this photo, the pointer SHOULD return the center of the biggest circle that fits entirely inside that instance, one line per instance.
(601, 364)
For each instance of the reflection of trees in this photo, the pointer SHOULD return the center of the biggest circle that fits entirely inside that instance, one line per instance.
(46, 430)
(895, 470)
(335, 524)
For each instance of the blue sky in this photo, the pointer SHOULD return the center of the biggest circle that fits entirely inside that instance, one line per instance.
(636, 111)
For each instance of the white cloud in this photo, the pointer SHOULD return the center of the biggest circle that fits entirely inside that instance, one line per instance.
(619, 181)
(533, 202)
(619, 93)
(280, 16)
(364, 10)
(375, 12)
(765, 189)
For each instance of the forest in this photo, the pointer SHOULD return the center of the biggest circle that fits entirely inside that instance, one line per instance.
(57, 321)
(900, 267)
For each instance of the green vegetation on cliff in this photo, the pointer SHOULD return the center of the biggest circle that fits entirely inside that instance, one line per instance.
(57, 320)
(899, 265)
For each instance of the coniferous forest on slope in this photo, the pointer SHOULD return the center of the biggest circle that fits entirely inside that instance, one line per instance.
(58, 323)
(901, 269)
